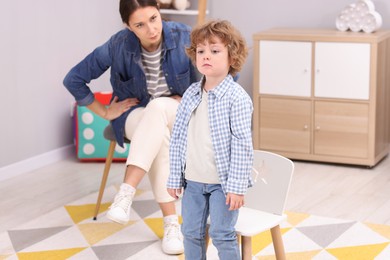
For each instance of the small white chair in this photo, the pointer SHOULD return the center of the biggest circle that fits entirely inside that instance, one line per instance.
(265, 202)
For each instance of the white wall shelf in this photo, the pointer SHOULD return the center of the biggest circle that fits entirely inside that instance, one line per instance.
(178, 12)
(200, 12)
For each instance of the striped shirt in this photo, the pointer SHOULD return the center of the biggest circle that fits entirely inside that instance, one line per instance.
(230, 115)
(155, 79)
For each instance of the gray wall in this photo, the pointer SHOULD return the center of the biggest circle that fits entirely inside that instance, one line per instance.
(252, 16)
(41, 40)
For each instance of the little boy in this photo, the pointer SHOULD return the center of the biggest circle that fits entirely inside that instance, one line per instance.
(211, 151)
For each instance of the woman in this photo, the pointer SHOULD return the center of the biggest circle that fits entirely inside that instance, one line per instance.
(149, 73)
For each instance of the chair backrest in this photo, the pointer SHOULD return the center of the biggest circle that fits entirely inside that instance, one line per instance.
(272, 174)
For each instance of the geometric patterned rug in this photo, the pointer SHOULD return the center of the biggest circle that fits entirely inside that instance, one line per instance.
(70, 233)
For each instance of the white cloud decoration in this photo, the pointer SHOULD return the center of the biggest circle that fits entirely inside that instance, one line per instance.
(359, 16)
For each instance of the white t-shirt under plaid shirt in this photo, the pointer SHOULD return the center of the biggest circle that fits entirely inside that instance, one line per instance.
(200, 159)
(230, 115)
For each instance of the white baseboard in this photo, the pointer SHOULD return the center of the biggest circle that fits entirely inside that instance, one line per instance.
(35, 162)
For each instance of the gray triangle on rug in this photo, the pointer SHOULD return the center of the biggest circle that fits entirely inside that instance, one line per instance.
(323, 235)
(22, 239)
(145, 208)
(120, 251)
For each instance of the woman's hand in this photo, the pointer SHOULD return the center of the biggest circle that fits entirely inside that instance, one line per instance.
(117, 108)
(175, 193)
(176, 97)
(235, 201)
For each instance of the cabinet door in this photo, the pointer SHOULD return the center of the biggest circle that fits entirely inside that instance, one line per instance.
(342, 70)
(341, 129)
(285, 68)
(285, 125)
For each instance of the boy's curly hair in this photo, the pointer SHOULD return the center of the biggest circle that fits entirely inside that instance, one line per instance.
(230, 36)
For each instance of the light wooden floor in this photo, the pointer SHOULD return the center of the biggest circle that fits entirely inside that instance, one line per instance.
(348, 192)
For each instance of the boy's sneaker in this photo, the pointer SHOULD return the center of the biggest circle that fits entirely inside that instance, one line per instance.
(119, 210)
(172, 243)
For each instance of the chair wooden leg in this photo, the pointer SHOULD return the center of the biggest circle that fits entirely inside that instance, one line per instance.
(110, 155)
(246, 248)
(278, 243)
(207, 237)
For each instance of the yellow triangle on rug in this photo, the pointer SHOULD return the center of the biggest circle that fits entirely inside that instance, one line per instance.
(363, 252)
(95, 232)
(81, 212)
(52, 254)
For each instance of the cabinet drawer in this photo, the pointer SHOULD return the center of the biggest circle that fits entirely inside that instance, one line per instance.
(285, 125)
(341, 129)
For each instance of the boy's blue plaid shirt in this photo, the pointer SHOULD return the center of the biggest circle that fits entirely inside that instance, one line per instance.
(230, 113)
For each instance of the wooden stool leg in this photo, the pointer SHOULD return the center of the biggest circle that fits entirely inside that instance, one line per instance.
(246, 248)
(110, 155)
(278, 243)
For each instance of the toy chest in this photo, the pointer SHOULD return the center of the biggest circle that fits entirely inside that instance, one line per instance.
(88, 133)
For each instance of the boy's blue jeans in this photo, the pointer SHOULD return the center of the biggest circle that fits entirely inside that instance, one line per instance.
(199, 201)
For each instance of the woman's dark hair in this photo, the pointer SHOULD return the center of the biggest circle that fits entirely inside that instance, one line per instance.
(128, 7)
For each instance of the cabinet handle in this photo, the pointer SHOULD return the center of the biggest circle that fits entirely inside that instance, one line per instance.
(305, 127)
(305, 70)
(318, 128)
(318, 71)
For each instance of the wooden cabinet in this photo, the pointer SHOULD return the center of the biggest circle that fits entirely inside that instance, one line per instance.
(322, 95)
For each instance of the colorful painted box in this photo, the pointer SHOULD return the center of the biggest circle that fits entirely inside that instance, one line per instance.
(88, 133)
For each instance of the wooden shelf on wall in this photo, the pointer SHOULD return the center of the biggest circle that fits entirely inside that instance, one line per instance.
(178, 12)
(201, 12)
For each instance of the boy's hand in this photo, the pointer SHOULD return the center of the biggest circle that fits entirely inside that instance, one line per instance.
(235, 201)
(175, 193)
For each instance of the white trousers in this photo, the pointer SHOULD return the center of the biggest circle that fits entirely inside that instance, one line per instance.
(149, 130)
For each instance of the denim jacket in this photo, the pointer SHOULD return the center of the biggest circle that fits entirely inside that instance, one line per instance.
(122, 53)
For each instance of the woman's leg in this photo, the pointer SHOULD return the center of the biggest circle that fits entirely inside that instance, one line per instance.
(158, 173)
(119, 210)
(149, 131)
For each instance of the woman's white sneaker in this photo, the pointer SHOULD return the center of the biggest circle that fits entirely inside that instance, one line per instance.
(119, 210)
(172, 243)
